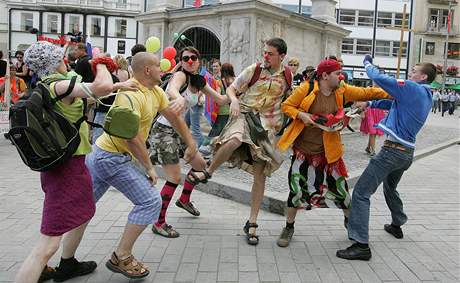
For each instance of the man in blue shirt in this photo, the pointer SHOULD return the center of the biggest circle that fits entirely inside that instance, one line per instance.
(408, 110)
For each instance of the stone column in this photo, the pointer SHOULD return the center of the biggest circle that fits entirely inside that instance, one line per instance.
(324, 10)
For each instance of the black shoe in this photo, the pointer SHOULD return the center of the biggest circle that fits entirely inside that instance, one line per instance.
(393, 230)
(355, 252)
(47, 274)
(73, 269)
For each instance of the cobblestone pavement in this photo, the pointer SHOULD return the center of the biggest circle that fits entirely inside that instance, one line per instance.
(438, 129)
(211, 247)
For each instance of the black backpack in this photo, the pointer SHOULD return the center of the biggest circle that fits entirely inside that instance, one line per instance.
(42, 135)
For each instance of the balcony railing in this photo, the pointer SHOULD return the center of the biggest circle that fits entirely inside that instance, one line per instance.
(121, 5)
(443, 2)
(440, 30)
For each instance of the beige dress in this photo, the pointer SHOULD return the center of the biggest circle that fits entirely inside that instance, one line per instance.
(264, 98)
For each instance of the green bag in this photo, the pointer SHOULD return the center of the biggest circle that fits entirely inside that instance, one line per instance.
(121, 121)
(256, 130)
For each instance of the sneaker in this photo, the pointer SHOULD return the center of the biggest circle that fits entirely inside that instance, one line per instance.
(394, 230)
(205, 150)
(355, 252)
(73, 270)
(285, 237)
(165, 230)
(189, 207)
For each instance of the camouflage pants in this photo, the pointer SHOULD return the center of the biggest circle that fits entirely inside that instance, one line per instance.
(166, 146)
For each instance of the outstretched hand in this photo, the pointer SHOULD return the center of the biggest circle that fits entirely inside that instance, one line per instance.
(367, 59)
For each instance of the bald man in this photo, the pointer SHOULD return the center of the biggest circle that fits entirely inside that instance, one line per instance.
(111, 162)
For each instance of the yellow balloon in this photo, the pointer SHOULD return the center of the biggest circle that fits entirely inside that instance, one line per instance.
(152, 44)
(165, 64)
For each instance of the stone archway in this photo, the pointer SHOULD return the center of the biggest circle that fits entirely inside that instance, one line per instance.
(204, 40)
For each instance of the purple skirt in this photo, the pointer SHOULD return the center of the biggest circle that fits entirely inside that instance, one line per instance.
(69, 200)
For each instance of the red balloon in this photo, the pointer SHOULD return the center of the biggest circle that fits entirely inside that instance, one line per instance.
(173, 64)
(169, 53)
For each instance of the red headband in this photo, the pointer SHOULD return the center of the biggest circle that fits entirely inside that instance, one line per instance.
(327, 66)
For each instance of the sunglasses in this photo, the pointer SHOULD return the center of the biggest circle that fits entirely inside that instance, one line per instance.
(186, 58)
(293, 65)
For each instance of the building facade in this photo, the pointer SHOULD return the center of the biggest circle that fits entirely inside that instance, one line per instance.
(430, 27)
(110, 23)
(235, 30)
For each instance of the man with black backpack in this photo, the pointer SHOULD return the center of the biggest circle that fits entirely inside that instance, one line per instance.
(247, 140)
(69, 203)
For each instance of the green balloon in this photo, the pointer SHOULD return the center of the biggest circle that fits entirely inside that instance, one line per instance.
(165, 64)
(152, 44)
(175, 35)
(182, 37)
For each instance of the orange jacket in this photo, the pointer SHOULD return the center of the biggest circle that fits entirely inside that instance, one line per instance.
(299, 102)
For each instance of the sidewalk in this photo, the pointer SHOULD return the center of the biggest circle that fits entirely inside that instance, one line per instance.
(211, 247)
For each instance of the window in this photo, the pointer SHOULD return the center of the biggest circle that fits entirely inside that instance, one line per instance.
(382, 48)
(396, 49)
(429, 48)
(453, 50)
(27, 21)
(398, 20)
(363, 46)
(121, 3)
(438, 19)
(365, 18)
(347, 17)
(74, 24)
(52, 23)
(347, 45)
(120, 27)
(96, 26)
(384, 19)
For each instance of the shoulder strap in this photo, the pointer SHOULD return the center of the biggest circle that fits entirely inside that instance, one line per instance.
(255, 76)
(69, 90)
(288, 77)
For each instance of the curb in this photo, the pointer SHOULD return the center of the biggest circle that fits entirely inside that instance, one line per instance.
(276, 202)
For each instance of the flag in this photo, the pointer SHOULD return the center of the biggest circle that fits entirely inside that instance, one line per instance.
(197, 3)
(89, 48)
(449, 21)
(211, 108)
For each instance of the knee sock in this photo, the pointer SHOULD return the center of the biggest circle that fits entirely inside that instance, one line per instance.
(167, 193)
(290, 225)
(186, 192)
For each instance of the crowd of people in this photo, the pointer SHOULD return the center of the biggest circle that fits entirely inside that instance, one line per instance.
(250, 130)
(445, 101)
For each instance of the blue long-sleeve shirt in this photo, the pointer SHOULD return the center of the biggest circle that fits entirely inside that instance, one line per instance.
(408, 110)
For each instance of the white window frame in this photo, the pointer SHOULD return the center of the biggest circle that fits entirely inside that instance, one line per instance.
(369, 17)
(24, 20)
(362, 52)
(352, 44)
(348, 23)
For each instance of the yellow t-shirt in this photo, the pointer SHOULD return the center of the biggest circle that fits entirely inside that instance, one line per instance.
(147, 103)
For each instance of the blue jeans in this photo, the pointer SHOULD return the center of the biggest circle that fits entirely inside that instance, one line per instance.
(99, 118)
(192, 118)
(388, 167)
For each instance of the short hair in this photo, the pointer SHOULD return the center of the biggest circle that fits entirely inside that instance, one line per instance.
(429, 70)
(138, 48)
(294, 60)
(227, 71)
(19, 52)
(215, 60)
(121, 62)
(81, 46)
(189, 49)
(278, 43)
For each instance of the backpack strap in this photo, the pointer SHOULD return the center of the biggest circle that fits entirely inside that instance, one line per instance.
(256, 75)
(288, 77)
(69, 90)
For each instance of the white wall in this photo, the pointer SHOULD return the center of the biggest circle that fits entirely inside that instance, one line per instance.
(24, 38)
(383, 5)
(383, 62)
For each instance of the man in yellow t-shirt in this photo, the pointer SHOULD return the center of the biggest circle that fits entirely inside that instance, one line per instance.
(111, 162)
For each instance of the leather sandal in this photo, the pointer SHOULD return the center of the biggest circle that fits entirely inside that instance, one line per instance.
(251, 238)
(129, 267)
(196, 180)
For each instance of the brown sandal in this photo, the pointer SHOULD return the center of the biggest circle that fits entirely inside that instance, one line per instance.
(129, 267)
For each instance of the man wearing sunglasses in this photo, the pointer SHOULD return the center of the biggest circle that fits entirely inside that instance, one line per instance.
(255, 118)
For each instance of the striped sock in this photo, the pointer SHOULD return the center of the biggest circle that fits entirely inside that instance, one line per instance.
(186, 192)
(167, 193)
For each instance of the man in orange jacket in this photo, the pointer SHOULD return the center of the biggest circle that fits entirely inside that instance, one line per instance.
(317, 174)
(17, 86)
